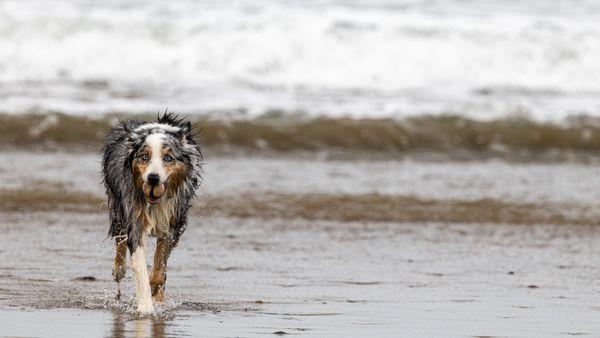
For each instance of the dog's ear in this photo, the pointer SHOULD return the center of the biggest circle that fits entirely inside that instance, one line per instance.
(185, 131)
(187, 127)
(131, 152)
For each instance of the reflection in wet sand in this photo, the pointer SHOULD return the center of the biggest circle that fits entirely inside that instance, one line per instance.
(118, 329)
(153, 327)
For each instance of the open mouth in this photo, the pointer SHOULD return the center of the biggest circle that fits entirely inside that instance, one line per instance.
(152, 198)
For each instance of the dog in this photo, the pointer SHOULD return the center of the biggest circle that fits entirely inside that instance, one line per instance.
(151, 172)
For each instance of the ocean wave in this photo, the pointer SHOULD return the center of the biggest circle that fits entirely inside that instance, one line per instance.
(276, 132)
(335, 57)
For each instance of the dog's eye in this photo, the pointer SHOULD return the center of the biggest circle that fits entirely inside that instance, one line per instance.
(168, 158)
(145, 157)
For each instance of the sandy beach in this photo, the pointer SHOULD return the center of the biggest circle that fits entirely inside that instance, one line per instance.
(254, 263)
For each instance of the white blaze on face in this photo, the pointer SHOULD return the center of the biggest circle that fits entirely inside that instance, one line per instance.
(156, 166)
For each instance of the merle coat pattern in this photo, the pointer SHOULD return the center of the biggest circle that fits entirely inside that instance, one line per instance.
(128, 208)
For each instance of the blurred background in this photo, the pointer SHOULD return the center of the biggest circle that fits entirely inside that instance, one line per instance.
(493, 77)
(360, 156)
(366, 59)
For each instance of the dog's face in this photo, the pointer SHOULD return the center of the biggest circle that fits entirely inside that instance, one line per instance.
(157, 166)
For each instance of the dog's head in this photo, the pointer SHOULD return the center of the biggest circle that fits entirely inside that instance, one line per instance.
(160, 163)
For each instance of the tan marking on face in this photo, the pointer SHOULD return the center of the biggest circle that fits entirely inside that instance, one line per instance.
(175, 172)
(139, 167)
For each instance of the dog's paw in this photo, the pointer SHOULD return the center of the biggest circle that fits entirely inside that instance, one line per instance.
(159, 296)
(145, 308)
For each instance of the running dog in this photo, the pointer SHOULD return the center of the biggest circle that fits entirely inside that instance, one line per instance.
(151, 173)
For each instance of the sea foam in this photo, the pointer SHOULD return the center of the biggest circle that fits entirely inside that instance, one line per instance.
(333, 58)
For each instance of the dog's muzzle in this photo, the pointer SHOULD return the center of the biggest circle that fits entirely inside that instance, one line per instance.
(155, 190)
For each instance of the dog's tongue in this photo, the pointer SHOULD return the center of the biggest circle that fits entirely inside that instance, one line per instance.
(152, 196)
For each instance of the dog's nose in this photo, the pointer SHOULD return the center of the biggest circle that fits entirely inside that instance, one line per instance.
(153, 179)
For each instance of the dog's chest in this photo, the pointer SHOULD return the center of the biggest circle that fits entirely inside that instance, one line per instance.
(159, 216)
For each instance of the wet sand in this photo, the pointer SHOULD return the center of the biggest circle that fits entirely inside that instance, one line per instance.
(234, 277)
(288, 274)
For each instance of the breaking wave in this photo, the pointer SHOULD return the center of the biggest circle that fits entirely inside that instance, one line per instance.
(277, 132)
(344, 57)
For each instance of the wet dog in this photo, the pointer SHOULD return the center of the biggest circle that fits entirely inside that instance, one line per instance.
(151, 173)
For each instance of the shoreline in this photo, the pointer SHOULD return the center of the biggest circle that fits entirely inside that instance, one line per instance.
(259, 187)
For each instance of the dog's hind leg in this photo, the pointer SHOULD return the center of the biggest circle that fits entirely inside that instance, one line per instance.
(142, 285)
(159, 269)
(120, 266)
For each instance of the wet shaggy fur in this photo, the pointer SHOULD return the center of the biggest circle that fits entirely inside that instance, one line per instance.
(126, 201)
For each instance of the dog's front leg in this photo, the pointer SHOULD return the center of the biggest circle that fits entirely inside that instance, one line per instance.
(159, 269)
(142, 284)
(120, 266)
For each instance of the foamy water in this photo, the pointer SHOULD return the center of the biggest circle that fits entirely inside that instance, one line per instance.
(359, 58)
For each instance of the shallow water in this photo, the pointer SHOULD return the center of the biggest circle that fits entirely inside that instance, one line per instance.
(568, 183)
